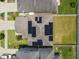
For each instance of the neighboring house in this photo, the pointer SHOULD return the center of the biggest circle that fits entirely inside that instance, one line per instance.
(38, 6)
(31, 52)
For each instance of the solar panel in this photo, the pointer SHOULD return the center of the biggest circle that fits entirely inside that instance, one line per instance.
(51, 27)
(34, 43)
(29, 27)
(40, 43)
(33, 31)
(50, 38)
(39, 20)
(48, 30)
(36, 18)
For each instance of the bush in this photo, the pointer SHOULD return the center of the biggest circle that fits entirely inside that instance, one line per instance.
(2, 14)
(2, 36)
(19, 37)
(73, 4)
(2, 0)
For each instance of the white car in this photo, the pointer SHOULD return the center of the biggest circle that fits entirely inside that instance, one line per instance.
(4, 56)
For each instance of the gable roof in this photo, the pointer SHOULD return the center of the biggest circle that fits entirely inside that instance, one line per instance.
(38, 6)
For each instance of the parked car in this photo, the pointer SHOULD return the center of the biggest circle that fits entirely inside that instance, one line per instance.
(13, 56)
(4, 56)
(8, 56)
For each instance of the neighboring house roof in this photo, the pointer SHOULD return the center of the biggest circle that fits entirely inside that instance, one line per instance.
(35, 53)
(38, 6)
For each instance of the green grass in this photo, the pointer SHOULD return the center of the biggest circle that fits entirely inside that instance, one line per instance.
(65, 7)
(13, 42)
(66, 52)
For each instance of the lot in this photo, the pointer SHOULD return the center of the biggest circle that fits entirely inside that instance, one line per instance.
(66, 52)
(12, 40)
(67, 7)
(64, 30)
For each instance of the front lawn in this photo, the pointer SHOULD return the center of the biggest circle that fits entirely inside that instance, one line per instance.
(12, 40)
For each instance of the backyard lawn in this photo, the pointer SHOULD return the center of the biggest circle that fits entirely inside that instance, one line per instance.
(12, 40)
(66, 52)
(64, 29)
(67, 7)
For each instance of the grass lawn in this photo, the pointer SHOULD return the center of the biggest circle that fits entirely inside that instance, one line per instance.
(66, 52)
(12, 15)
(64, 29)
(12, 41)
(67, 7)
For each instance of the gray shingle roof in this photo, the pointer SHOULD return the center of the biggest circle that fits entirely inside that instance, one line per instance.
(38, 6)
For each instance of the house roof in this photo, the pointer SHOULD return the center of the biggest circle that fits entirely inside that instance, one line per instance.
(37, 6)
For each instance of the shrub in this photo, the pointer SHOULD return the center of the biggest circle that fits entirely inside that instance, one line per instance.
(2, 36)
(73, 4)
(2, 0)
(19, 37)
